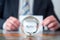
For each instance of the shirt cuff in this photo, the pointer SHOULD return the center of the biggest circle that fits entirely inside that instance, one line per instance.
(4, 25)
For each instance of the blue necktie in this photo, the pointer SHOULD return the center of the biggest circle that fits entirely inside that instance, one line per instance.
(26, 8)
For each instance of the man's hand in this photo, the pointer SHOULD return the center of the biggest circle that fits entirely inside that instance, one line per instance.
(51, 23)
(11, 24)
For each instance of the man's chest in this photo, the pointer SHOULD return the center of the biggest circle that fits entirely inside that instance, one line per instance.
(11, 7)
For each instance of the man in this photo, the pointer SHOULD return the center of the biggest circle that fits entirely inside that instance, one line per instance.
(9, 14)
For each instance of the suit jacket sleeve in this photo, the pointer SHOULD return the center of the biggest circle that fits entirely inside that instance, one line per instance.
(50, 11)
(2, 20)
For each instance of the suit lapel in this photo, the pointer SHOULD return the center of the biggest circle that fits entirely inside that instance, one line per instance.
(36, 6)
(15, 5)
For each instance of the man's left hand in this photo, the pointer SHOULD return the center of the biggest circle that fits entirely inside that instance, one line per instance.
(51, 23)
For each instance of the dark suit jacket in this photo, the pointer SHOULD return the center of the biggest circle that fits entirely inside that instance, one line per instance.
(10, 8)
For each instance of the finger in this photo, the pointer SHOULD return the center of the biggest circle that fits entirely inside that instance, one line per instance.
(11, 26)
(54, 28)
(15, 24)
(15, 20)
(51, 25)
(48, 20)
(50, 17)
(10, 23)
(7, 28)
(14, 28)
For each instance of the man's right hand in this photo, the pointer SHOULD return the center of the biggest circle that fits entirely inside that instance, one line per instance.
(11, 24)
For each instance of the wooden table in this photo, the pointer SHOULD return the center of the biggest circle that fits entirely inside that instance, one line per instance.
(15, 35)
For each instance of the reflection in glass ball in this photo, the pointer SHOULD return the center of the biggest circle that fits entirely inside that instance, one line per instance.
(30, 25)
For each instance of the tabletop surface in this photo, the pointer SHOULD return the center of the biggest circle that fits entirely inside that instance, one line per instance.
(15, 35)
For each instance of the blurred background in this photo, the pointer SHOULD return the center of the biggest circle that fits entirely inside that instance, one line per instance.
(57, 7)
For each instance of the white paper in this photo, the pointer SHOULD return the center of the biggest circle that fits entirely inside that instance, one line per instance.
(40, 28)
